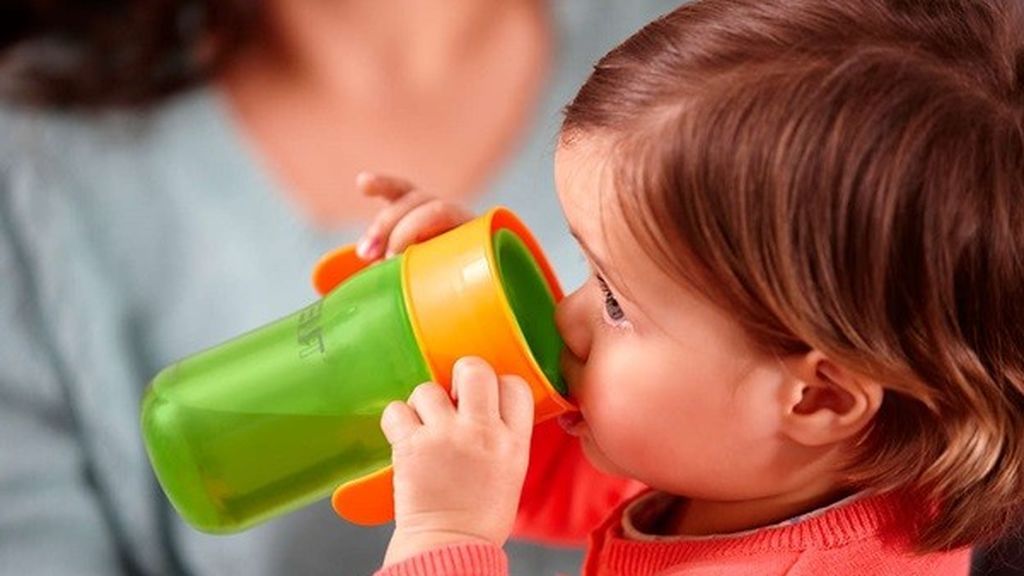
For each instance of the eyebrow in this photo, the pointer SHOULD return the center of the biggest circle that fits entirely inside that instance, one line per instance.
(603, 270)
(601, 266)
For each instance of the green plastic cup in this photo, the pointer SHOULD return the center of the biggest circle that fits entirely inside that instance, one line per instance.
(277, 418)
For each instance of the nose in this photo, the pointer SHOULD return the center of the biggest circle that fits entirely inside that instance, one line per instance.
(572, 324)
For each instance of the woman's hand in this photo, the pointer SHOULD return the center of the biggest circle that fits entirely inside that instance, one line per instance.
(410, 216)
(458, 467)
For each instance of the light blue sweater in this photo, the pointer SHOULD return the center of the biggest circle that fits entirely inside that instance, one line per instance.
(128, 240)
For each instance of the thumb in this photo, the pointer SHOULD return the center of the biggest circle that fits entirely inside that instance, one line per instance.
(516, 404)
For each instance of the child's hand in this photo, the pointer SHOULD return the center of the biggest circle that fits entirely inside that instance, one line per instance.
(458, 470)
(411, 216)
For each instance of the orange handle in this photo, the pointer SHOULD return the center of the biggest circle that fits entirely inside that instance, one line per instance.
(367, 501)
(335, 267)
(458, 306)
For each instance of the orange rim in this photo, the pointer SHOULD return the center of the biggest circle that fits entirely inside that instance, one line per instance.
(452, 282)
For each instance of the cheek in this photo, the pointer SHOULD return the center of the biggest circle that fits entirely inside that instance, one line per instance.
(633, 405)
(666, 423)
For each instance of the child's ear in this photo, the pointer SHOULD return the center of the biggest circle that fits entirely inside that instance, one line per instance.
(825, 403)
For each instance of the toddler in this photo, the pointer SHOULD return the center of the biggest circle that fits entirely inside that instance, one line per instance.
(801, 348)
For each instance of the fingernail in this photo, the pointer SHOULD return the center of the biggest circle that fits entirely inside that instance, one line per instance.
(364, 178)
(463, 364)
(388, 415)
(367, 248)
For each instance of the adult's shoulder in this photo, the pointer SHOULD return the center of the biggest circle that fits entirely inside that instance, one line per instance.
(21, 129)
(77, 185)
(30, 157)
(114, 161)
(31, 135)
(42, 148)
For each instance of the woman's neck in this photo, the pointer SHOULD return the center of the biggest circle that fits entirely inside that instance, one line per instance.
(433, 91)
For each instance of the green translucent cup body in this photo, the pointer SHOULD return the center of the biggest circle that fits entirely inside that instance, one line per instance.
(277, 418)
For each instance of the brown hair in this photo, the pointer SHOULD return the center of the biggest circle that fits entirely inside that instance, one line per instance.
(118, 52)
(848, 176)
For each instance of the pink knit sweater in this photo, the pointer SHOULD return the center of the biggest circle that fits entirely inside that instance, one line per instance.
(564, 499)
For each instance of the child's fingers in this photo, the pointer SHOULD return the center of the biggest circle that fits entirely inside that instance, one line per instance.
(431, 403)
(398, 422)
(378, 234)
(475, 385)
(379, 186)
(516, 401)
(423, 222)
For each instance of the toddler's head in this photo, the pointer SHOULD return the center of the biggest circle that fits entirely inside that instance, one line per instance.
(806, 223)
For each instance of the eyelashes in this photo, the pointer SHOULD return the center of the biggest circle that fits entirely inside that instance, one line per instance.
(612, 311)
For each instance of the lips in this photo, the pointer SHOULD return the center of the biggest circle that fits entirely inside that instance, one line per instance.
(573, 423)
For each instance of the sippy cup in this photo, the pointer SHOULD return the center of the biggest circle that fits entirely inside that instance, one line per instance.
(280, 417)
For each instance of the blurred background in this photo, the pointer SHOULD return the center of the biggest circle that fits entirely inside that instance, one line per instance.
(170, 171)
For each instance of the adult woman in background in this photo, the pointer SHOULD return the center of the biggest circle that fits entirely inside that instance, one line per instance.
(169, 172)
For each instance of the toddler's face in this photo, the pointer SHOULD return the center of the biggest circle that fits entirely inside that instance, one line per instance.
(670, 389)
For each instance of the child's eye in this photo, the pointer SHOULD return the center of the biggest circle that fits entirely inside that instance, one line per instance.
(612, 311)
